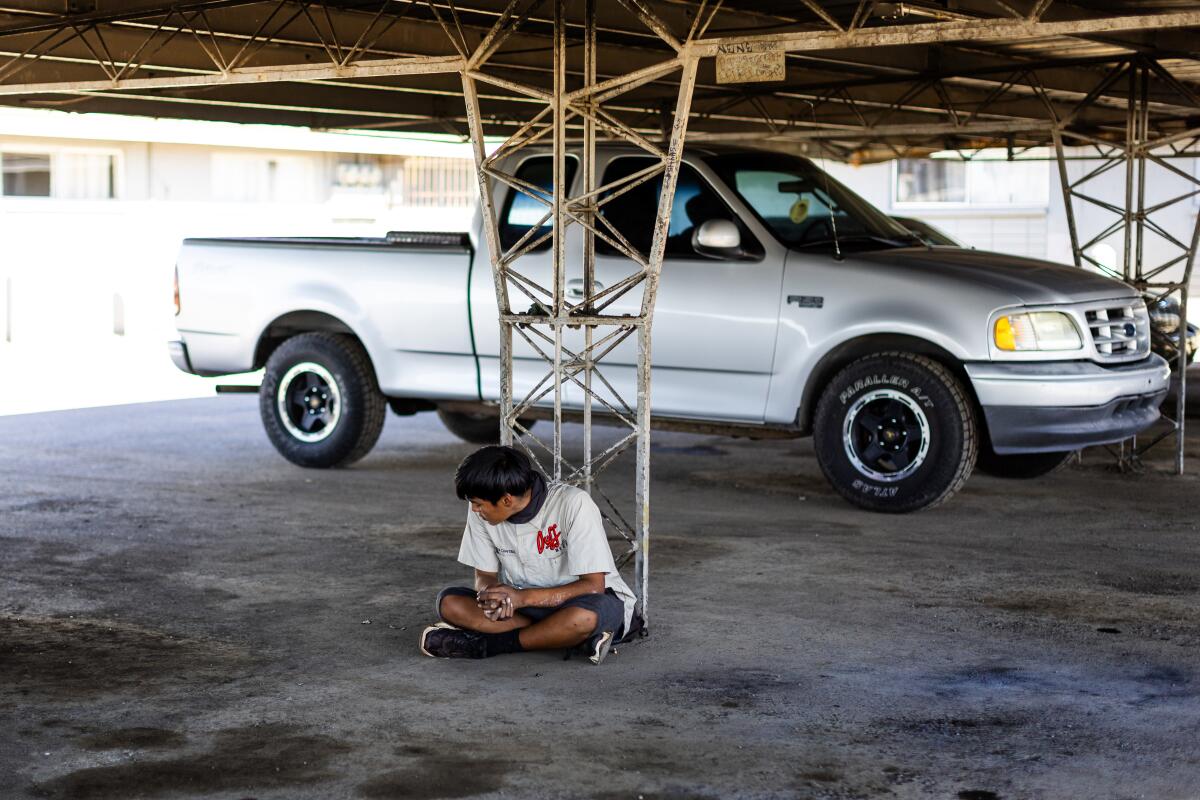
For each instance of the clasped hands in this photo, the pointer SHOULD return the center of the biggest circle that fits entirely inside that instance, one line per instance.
(499, 601)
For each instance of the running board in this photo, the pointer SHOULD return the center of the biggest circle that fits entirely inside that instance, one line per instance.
(236, 388)
(736, 429)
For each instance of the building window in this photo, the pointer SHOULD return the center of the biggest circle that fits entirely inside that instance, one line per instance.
(920, 180)
(26, 174)
(66, 174)
(360, 174)
(428, 181)
(977, 182)
(86, 176)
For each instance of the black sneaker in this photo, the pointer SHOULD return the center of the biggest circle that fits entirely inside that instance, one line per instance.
(443, 640)
(598, 646)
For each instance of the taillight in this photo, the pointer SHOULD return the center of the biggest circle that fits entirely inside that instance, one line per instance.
(177, 290)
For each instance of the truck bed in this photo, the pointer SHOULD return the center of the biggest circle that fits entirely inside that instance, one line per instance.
(405, 295)
(401, 240)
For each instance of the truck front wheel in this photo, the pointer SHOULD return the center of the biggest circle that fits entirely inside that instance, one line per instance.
(320, 401)
(895, 432)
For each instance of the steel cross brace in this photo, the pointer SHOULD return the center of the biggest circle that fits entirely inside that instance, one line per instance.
(1142, 154)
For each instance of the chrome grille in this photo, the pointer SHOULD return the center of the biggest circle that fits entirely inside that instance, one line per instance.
(1120, 331)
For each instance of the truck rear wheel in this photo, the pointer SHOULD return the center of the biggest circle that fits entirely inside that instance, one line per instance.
(895, 432)
(1020, 466)
(475, 428)
(320, 401)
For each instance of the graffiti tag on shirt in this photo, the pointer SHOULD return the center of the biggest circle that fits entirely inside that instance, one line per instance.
(549, 539)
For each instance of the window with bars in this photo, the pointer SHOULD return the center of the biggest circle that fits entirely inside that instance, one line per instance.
(428, 181)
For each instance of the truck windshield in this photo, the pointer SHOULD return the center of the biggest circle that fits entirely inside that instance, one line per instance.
(804, 207)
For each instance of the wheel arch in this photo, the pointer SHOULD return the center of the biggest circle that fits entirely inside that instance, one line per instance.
(853, 349)
(292, 323)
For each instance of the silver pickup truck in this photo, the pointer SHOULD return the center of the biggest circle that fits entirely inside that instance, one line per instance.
(787, 306)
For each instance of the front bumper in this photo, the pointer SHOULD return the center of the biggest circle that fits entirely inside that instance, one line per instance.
(1037, 407)
(179, 355)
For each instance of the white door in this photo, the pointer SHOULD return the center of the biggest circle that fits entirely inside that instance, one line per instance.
(715, 320)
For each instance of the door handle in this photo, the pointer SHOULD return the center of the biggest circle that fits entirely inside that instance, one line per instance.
(575, 288)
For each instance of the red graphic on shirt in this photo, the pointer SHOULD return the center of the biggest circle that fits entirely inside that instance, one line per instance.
(548, 540)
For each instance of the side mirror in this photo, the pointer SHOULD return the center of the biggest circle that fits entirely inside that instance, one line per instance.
(717, 238)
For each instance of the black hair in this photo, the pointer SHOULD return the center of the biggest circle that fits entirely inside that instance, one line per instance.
(492, 472)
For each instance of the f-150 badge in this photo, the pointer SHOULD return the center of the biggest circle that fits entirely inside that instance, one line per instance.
(806, 300)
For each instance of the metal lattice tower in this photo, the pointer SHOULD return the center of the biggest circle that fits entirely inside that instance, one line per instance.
(1143, 155)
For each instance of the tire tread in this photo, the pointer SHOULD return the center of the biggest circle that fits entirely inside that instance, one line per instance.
(373, 403)
(950, 382)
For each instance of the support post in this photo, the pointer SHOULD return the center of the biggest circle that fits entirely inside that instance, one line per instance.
(662, 224)
(554, 313)
(588, 213)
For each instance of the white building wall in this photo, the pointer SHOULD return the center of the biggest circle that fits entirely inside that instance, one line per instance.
(89, 282)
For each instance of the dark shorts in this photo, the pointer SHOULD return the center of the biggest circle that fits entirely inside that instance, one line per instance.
(608, 608)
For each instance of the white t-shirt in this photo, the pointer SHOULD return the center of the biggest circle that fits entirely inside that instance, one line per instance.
(564, 540)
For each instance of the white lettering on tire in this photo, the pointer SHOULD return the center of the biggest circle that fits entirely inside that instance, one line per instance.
(921, 397)
(876, 491)
(869, 381)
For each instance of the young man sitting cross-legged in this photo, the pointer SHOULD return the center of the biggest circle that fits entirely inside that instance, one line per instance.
(544, 574)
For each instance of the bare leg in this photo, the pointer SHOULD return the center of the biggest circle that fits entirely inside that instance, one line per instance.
(464, 612)
(565, 628)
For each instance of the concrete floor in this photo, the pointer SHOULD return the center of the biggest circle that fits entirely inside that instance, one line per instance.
(184, 614)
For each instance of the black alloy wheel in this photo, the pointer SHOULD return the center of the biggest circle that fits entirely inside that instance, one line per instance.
(895, 432)
(320, 402)
(310, 403)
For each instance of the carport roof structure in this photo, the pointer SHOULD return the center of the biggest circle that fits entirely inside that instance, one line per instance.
(860, 79)
(866, 78)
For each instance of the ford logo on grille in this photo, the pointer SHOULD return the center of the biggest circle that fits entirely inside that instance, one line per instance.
(1130, 330)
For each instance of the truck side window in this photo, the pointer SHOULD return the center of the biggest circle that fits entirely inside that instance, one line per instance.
(633, 212)
(786, 203)
(521, 212)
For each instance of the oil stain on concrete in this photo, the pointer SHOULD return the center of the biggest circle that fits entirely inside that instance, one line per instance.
(259, 757)
(136, 738)
(65, 657)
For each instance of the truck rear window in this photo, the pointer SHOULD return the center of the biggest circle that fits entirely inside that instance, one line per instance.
(522, 213)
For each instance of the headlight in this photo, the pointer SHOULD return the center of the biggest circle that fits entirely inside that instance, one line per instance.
(1036, 330)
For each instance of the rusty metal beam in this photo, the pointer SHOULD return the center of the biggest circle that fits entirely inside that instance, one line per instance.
(987, 30)
(416, 65)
